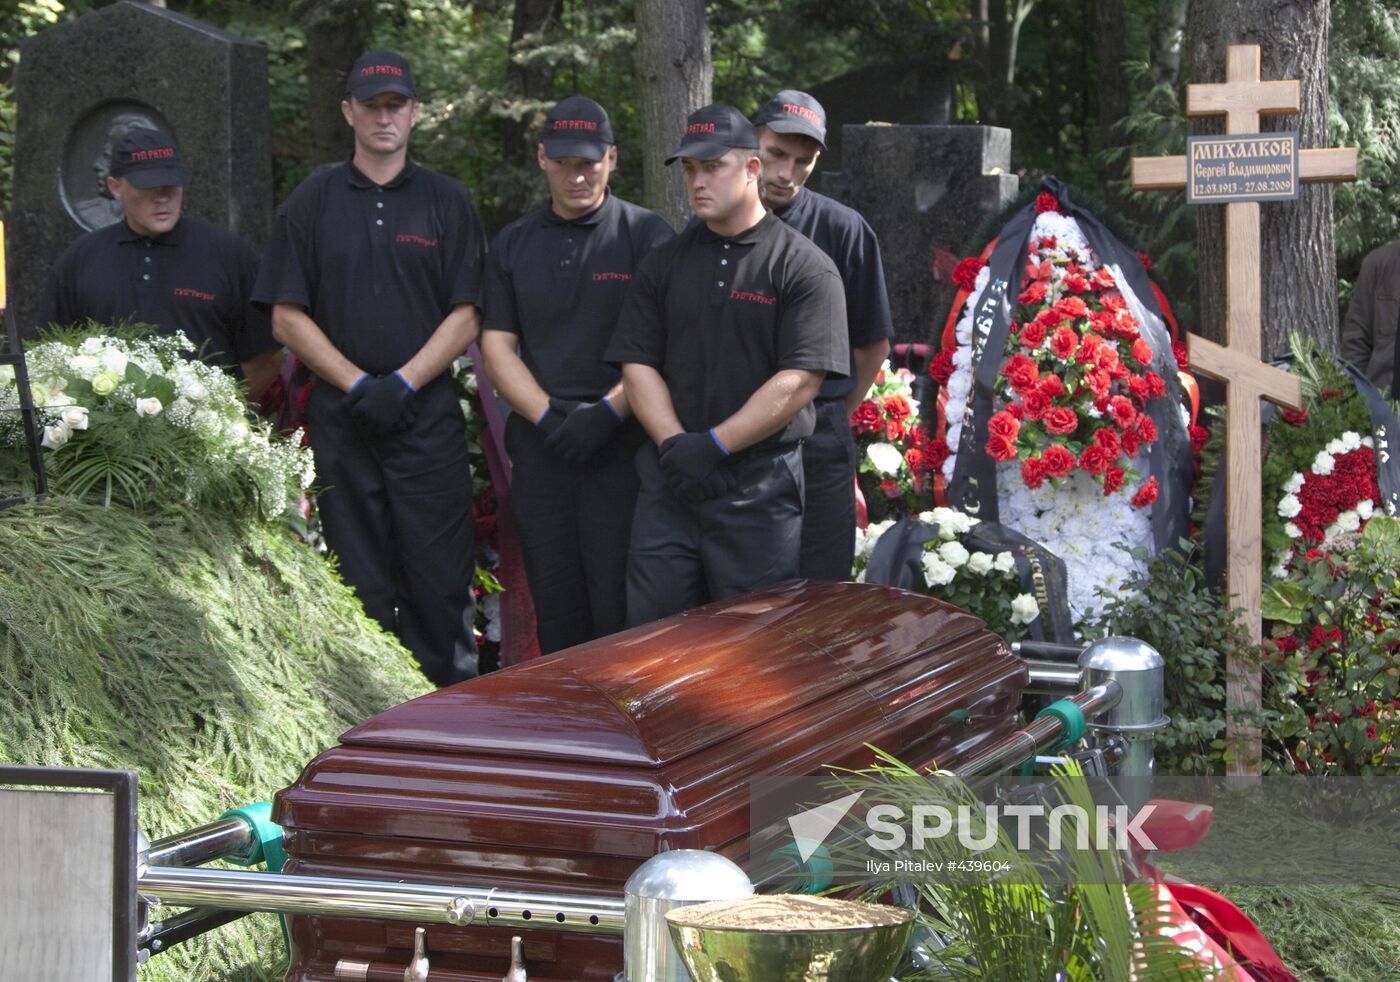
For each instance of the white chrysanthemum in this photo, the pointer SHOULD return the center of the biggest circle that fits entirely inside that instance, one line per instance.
(1366, 509)
(1289, 506)
(1349, 521)
(1324, 463)
(1293, 531)
(1294, 484)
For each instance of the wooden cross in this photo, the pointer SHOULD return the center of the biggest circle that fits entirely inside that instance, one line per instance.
(1242, 99)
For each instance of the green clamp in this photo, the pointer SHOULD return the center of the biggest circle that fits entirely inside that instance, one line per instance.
(1071, 718)
(815, 873)
(267, 837)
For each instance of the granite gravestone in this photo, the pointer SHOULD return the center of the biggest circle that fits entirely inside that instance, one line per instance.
(925, 190)
(81, 85)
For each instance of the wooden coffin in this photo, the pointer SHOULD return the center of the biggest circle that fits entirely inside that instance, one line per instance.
(565, 773)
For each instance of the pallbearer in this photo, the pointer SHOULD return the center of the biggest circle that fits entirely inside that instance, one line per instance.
(554, 286)
(726, 336)
(159, 266)
(374, 275)
(791, 138)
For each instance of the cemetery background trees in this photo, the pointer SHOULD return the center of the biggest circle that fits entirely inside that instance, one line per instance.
(674, 77)
(1298, 259)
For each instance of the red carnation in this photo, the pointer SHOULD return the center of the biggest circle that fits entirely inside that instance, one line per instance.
(1046, 242)
(1112, 480)
(1032, 294)
(1130, 442)
(1033, 472)
(867, 418)
(1032, 334)
(1077, 282)
(1021, 372)
(1003, 424)
(1094, 460)
(890, 487)
(1045, 201)
(1072, 307)
(896, 406)
(1059, 461)
(1296, 417)
(896, 430)
(1064, 341)
(1146, 262)
(965, 273)
(1098, 381)
(1106, 359)
(1102, 279)
(1013, 410)
(1146, 494)
(940, 367)
(1035, 403)
(936, 454)
(1142, 352)
(1179, 351)
(1199, 436)
(1146, 428)
(1126, 325)
(918, 436)
(1061, 420)
(1049, 318)
(1051, 386)
(1123, 412)
(1001, 448)
(1138, 388)
(1106, 438)
(1155, 384)
(915, 459)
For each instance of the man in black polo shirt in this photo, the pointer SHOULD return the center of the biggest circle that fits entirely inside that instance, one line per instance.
(162, 268)
(725, 337)
(373, 274)
(791, 136)
(554, 285)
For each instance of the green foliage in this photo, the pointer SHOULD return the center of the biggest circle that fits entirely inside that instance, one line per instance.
(1333, 652)
(1328, 933)
(1022, 928)
(212, 654)
(1365, 105)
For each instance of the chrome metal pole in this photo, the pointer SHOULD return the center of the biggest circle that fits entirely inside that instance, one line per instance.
(202, 845)
(1040, 734)
(425, 903)
(1052, 678)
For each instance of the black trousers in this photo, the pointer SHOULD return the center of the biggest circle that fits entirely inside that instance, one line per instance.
(685, 555)
(397, 512)
(829, 460)
(574, 524)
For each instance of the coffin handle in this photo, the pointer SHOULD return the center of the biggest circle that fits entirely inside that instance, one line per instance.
(418, 968)
(516, 972)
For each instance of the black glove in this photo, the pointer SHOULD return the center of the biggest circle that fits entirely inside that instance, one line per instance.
(584, 431)
(690, 463)
(554, 416)
(382, 404)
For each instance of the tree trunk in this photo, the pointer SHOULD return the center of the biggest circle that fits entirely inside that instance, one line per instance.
(675, 76)
(1299, 263)
(336, 32)
(535, 21)
(997, 35)
(1110, 51)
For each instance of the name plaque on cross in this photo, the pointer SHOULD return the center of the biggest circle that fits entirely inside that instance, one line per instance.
(1242, 99)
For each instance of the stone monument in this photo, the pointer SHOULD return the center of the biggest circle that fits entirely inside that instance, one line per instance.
(81, 85)
(925, 190)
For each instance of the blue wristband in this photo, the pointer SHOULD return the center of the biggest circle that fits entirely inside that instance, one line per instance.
(547, 411)
(717, 443)
(406, 382)
(356, 385)
(616, 414)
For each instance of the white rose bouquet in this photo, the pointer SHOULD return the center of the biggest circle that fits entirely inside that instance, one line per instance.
(955, 570)
(138, 422)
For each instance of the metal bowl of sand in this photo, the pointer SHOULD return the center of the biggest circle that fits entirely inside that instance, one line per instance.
(790, 938)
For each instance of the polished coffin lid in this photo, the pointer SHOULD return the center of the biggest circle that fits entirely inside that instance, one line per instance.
(565, 773)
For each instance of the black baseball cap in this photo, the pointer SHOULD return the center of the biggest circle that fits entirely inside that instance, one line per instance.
(577, 127)
(791, 111)
(377, 72)
(148, 159)
(712, 132)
